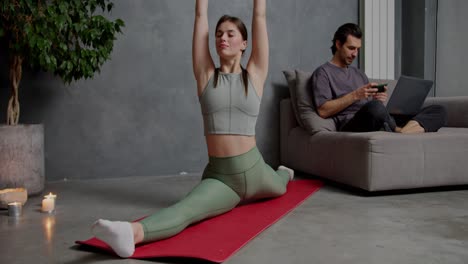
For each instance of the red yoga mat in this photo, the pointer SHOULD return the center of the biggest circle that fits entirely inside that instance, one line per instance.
(216, 239)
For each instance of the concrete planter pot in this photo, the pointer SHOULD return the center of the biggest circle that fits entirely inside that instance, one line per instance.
(22, 157)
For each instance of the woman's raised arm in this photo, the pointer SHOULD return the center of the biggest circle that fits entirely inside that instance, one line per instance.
(202, 62)
(258, 62)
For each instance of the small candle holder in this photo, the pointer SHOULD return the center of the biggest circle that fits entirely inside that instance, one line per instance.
(15, 209)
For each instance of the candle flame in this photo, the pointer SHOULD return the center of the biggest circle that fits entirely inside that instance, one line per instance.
(50, 196)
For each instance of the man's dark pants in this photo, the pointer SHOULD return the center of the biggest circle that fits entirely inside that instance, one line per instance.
(374, 116)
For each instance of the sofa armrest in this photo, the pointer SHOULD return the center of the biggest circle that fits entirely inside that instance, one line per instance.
(287, 118)
(287, 123)
(457, 109)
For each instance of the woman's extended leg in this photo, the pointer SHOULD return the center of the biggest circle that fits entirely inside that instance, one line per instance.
(209, 198)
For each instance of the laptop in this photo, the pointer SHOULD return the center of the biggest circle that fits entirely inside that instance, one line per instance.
(408, 96)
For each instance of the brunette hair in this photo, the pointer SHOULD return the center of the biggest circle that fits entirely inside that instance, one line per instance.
(343, 32)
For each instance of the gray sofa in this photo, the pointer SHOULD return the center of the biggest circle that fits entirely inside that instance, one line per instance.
(373, 161)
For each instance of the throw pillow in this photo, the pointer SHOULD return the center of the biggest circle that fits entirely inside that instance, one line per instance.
(309, 118)
(291, 79)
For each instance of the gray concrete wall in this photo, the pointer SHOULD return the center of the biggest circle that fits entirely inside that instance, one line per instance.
(452, 39)
(140, 116)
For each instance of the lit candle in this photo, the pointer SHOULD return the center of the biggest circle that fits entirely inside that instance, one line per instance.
(48, 204)
(15, 209)
(50, 196)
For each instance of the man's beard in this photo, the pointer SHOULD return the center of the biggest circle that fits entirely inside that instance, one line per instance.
(349, 61)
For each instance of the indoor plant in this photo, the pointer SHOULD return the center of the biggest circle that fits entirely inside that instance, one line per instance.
(69, 38)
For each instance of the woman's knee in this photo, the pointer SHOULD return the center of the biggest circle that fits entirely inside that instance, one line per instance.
(264, 182)
(281, 190)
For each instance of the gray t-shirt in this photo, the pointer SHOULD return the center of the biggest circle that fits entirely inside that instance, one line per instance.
(330, 82)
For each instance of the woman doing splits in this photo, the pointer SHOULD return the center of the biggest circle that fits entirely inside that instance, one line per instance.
(230, 102)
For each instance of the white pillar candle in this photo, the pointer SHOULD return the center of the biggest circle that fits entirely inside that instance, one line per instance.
(48, 205)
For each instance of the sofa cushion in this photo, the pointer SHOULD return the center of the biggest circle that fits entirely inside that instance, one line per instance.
(377, 161)
(456, 106)
(302, 104)
(291, 79)
(311, 121)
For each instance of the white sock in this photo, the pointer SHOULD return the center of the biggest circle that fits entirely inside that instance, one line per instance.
(290, 171)
(118, 235)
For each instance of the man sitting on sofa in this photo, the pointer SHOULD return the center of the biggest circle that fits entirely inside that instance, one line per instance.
(343, 92)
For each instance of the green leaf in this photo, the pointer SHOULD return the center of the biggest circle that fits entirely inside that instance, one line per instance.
(120, 22)
(63, 46)
(63, 36)
(63, 6)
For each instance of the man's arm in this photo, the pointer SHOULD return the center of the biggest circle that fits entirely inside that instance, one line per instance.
(333, 107)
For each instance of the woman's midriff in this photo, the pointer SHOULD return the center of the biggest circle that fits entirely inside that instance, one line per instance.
(229, 145)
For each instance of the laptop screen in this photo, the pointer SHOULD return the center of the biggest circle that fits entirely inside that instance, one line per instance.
(408, 96)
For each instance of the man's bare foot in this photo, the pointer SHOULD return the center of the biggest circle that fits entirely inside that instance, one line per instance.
(412, 127)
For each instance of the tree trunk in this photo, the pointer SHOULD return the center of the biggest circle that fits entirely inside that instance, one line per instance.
(15, 78)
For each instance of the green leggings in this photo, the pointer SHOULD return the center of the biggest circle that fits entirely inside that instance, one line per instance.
(225, 183)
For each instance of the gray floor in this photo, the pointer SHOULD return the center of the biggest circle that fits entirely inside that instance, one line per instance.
(333, 226)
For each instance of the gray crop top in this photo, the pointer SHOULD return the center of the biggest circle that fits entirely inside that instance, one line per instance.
(226, 109)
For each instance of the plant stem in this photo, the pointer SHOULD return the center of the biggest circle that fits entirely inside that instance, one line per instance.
(15, 78)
